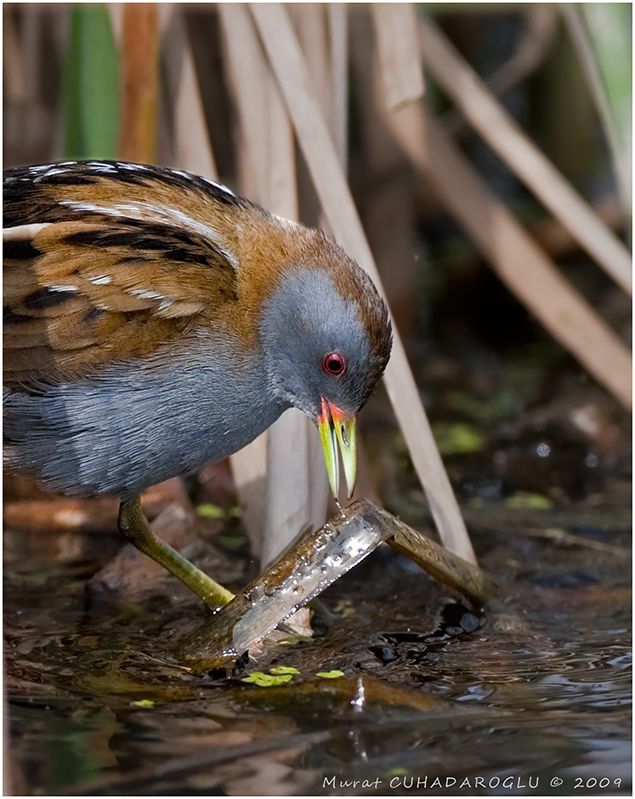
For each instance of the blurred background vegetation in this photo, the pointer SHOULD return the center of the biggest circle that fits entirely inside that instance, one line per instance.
(514, 413)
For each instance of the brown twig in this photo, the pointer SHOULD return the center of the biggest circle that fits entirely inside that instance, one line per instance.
(139, 57)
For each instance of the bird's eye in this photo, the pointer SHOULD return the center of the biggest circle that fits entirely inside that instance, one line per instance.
(334, 364)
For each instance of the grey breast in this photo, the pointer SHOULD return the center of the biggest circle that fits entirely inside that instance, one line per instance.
(134, 425)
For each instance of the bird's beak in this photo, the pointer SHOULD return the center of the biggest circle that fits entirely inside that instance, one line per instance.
(337, 429)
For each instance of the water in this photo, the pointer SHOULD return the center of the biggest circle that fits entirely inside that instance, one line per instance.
(535, 690)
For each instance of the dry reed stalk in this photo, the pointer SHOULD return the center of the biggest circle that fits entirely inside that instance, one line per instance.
(29, 120)
(191, 145)
(387, 207)
(115, 12)
(244, 67)
(249, 470)
(338, 47)
(515, 257)
(329, 180)
(552, 238)
(15, 90)
(396, 33)
(538, 36)
(309, 21)
(140, 61)
(243, 58)
(297, 488)
(558, 242)
(503, 134)
(297, 485)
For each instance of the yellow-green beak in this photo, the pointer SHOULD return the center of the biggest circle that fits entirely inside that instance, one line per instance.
(337, 431)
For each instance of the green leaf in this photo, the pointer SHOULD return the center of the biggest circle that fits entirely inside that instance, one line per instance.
(330, 675)
(231, 542)
(284, 670)
(345, 608)
(292, 640)
(143, 703)
(256, 676)
(525, 501)
(458, 439)
(263, 680)
(91, 85)
(209, 511)
(397, 771)
(609, 29)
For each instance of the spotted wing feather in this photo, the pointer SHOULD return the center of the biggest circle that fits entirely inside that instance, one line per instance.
(106, 262)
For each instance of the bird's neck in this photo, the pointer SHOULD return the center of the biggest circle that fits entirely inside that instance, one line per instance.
(231, 395)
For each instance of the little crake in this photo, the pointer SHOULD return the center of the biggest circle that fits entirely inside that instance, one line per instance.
(154, 321)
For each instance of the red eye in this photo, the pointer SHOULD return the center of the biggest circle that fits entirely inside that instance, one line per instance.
(334, 364)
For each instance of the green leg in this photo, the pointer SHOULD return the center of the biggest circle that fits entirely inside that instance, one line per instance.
(134, 526)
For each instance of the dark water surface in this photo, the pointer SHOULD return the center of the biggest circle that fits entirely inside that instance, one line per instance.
(531, 696)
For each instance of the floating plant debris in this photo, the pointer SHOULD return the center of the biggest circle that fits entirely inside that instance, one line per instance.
(263, 680)
(330, 675)
(284, 670)
(308, 567)
(145, 704)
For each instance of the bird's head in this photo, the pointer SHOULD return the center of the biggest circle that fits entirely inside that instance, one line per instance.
(326, 337)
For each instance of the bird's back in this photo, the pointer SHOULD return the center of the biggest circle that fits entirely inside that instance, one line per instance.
(102, 261)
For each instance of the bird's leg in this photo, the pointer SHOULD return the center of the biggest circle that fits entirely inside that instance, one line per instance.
(134, 525)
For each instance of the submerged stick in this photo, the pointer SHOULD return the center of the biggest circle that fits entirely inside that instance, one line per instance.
(440, 563)
(308, 567)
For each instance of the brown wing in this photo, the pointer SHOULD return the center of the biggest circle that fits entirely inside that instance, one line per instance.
(106, 262)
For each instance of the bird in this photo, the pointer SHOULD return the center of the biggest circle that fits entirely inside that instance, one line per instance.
(155, 321)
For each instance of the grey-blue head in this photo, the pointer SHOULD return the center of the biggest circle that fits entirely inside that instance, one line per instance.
(326, 339)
